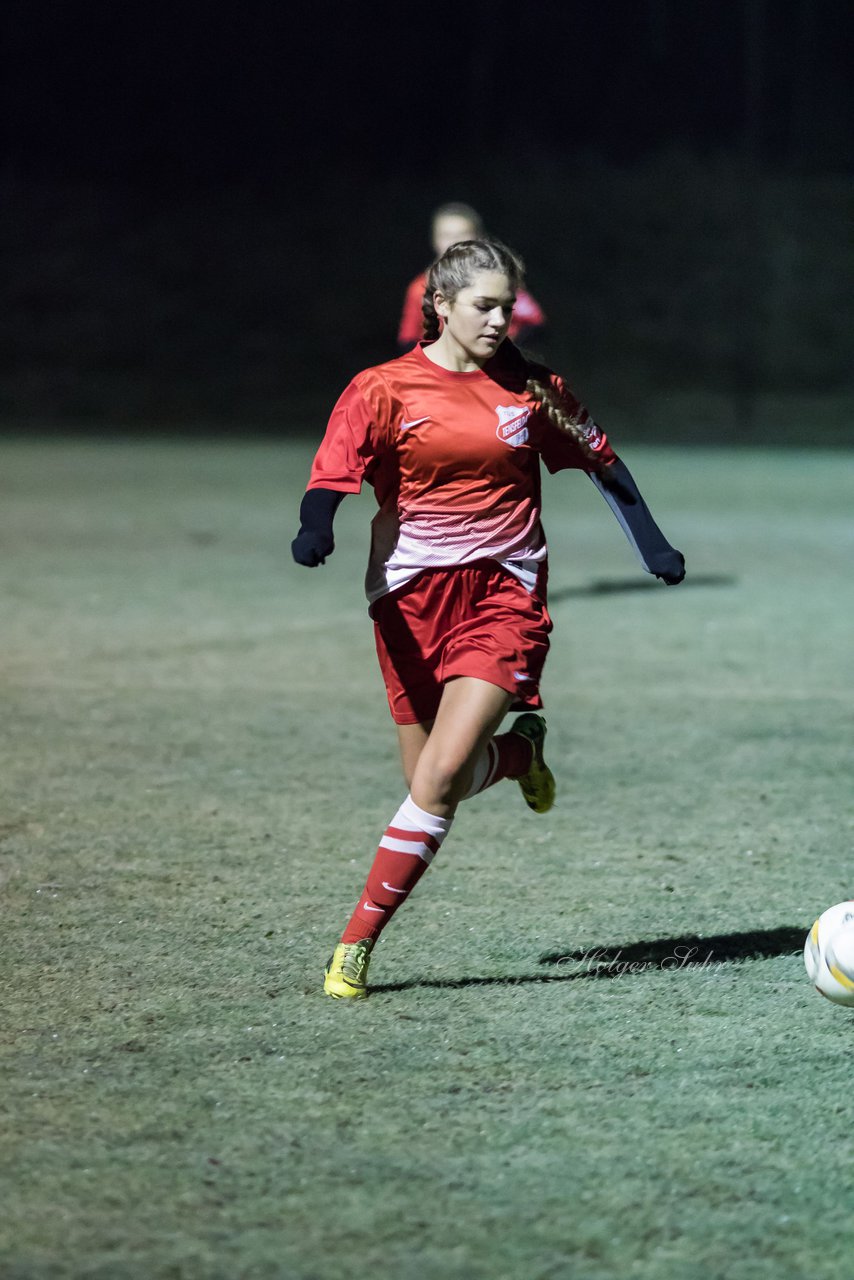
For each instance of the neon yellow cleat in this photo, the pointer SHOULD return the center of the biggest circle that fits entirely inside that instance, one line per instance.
(347, 970)
(538, 784)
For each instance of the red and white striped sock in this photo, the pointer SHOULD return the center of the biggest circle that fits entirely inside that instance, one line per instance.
(508, 755)
(411, 841)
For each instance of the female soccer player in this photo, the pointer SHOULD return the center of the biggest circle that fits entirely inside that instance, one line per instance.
(451, 435)
(450, 224)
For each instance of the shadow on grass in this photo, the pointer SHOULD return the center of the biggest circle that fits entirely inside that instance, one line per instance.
(620, 586)
(682, 952)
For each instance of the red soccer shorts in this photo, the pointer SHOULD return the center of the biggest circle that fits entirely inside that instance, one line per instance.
(475, 620)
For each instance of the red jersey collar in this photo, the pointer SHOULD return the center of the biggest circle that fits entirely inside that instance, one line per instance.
(440, 370)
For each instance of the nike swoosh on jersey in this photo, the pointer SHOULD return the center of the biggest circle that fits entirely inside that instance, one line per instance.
(416, 422)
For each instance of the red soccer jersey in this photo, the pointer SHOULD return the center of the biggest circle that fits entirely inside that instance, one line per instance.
(454, 462)
(527, 313)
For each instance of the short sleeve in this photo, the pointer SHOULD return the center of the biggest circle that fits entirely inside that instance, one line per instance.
(349, 446)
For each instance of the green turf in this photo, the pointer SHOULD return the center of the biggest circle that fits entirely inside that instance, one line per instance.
(195, 765)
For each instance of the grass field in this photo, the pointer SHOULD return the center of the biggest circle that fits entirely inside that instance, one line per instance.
(608, 1065)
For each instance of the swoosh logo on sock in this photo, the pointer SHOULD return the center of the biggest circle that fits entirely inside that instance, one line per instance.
(367, 907)
(391, 887)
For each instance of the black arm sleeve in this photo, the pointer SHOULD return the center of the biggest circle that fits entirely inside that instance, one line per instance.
(655, 553)
(315, 540)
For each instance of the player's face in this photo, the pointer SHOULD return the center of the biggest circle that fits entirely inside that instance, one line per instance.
(448, 229)
(477, 320)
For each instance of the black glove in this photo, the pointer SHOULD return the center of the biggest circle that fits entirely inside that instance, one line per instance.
(315, 541)
(311, 547)
(669, 566)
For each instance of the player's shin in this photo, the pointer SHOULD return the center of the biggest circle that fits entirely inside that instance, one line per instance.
(411, 841)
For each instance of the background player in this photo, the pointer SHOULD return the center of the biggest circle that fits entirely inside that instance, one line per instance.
(450, 224)
(451, 435)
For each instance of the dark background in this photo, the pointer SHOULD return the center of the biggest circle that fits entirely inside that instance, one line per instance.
(210, 213)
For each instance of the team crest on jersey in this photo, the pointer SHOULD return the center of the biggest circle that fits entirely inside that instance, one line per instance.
(512, 424)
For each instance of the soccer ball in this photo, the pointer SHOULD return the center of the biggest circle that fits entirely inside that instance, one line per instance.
(829, 953)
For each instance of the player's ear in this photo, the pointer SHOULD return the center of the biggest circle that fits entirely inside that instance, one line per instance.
(441, 305)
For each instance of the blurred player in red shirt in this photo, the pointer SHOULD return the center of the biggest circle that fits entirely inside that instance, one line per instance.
(452, 223)
(451, 436)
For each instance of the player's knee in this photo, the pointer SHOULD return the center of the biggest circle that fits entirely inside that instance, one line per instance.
(446, 776)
